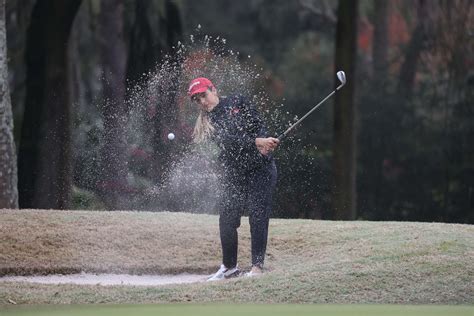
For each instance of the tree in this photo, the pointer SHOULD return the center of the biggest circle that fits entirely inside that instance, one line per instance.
(44, 161)
(415, 47)
(114, 170)
(374, 119)
(344, 159)
(155, 29)
(380, 44)
(8, 167)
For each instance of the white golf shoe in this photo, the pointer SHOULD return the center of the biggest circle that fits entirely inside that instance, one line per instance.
(254, 272)
(224, 273)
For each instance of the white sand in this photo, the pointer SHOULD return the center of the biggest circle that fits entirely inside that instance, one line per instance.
(108, 279)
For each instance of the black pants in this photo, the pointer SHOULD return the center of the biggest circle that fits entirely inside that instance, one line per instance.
(253, 192)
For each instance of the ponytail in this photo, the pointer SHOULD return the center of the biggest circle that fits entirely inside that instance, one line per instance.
(203, 128)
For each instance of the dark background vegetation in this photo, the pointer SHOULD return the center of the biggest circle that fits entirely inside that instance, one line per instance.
(396, 144)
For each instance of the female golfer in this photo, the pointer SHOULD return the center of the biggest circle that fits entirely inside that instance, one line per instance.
(249, 171)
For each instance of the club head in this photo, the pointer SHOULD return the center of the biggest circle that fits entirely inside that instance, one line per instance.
(341, 75)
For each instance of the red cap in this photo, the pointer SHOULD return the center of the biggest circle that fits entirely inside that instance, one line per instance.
(199, 85)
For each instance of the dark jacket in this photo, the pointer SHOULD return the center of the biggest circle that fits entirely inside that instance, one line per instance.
(237, 123)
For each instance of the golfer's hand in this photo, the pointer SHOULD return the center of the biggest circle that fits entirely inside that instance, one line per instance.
(266, 145)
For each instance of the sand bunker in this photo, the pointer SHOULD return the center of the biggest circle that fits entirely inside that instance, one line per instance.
(108, 279)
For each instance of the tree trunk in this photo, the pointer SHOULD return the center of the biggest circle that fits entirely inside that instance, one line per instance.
(379, 92)
(415, 46)
(380, 43)
(156, 29)
(344, 160)
(18, 15)
(168, 118)
(113, 186)
(45, 158)
(8, 167)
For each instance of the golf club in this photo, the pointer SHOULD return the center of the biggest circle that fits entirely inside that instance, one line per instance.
(342, 78)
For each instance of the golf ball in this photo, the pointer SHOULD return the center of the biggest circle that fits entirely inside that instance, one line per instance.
(170, 136)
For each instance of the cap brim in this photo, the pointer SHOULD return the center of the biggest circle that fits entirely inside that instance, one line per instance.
(198, 90)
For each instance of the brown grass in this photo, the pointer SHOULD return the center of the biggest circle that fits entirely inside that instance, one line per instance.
(308, 261)
(44, 242)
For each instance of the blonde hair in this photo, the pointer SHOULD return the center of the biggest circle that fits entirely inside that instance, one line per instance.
(203, 128)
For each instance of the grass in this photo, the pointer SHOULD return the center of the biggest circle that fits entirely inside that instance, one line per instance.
(308, 261)
(250, 310)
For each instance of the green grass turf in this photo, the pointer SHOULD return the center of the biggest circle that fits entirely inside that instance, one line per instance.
(232, 309)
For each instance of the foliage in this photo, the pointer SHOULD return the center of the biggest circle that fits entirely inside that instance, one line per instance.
(415, 157)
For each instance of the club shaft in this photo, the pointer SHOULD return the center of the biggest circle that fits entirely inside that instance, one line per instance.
(306, 115)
